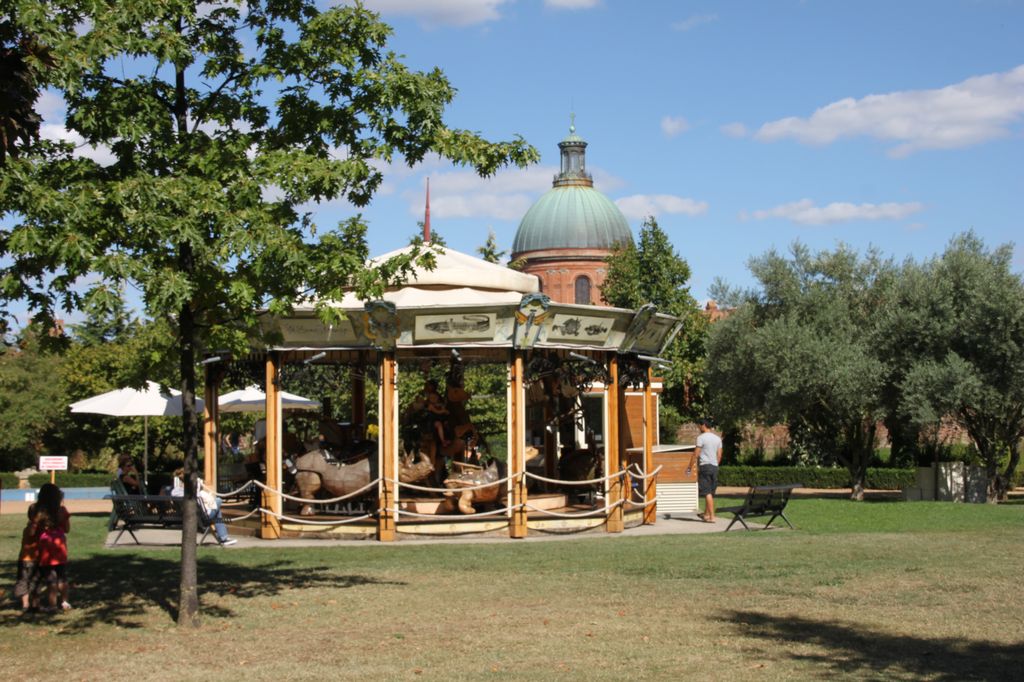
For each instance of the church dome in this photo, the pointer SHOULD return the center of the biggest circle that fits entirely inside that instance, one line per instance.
(572, 214)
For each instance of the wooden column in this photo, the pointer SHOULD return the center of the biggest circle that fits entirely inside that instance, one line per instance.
(358, 400)
(270, 526)
(650, 436)
(517, 445)
(211, 426)
(387, 491)
(612, 454)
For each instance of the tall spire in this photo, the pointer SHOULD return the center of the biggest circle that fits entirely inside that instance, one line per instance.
(426, 216)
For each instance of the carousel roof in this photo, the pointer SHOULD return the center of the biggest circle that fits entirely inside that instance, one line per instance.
(456, 269)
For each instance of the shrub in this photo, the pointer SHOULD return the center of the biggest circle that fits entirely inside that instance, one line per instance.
(813, 477)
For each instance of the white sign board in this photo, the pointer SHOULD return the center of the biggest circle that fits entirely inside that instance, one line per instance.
(53, 463)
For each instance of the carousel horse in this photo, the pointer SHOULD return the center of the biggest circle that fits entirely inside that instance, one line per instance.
(469, 476)
(315, 472)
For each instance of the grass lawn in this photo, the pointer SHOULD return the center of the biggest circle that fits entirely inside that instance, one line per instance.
(872, 590)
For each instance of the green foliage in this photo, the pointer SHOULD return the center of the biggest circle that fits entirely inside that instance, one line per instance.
(958, 327)
(800, 352)
(228, 119)
(489, 251)
(814, 477)
(31, 400)
(652, 272)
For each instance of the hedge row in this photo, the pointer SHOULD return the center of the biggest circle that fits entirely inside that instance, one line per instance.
(812, 477)
(64, 480)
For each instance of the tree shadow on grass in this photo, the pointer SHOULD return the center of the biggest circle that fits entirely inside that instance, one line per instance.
(856, 650)
(117, 589)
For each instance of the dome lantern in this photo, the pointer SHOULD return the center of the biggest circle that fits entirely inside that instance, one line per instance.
(574, 160)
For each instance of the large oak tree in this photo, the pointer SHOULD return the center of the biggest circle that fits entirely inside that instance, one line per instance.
(224, 122)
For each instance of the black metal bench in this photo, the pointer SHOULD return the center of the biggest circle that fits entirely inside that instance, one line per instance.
(135, 512)
(762, 500)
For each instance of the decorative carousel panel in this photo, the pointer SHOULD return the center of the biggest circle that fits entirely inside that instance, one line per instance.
(580, 328)
(655, 334)
(476, 326)
(311, 331)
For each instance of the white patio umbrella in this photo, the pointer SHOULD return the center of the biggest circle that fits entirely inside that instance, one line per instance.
(132, 402)
(252, 399)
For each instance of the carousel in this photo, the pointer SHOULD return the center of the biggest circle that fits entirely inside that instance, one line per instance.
(563, 438)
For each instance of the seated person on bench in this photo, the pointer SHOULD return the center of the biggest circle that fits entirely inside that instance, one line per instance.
(209, 502)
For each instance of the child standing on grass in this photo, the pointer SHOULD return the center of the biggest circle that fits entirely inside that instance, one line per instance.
(28, 572)
(53, 522)
(53, 560)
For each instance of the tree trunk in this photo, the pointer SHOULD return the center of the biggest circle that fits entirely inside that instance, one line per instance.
(188, 601)
(1006, 480)
(188, 609)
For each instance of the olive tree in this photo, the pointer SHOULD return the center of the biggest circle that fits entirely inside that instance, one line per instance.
(799, 350)
(963, 313)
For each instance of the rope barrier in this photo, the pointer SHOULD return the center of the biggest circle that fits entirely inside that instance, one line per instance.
(495, 512)
(237, 491)
(639, 474)
(643, 505)
(448, 490)
(235, 519)
(591, 481)
(330, 500)
(337, 522)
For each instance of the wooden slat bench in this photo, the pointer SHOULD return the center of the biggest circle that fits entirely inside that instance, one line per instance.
(135, 512)
(762, 500)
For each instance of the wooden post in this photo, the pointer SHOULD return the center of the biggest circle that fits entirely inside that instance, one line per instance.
(650, 436)
(517, 445)
(211, 430)
(270, 527)
(612, 456)
(387, 492)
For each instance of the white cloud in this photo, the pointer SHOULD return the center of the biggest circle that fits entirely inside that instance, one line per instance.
(53, 110)
(734, 130)
(694, 21)
(464, 194)
(642, 205)
(804, 212)
(434, 13)
(51, 106)
(960, 115)
(674, 125)
(572, 4)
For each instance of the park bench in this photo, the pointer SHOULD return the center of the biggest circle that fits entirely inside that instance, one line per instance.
(762, 500)
(135, 512)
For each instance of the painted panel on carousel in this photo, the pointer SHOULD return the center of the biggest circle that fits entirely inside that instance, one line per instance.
(579, 328)
(529, 319)
(456, 326)
(311, 331)
(382, 325)
(655, 335)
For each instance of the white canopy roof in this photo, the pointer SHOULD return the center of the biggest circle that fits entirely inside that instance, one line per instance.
(456, 269)
(252, 399)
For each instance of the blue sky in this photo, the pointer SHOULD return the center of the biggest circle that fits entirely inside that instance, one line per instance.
(741, 126)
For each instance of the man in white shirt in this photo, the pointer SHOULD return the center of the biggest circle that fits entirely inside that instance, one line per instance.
(709, 456)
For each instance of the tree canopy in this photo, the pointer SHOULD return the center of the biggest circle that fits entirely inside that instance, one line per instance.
(799, 351)
(223, 122)
(652, 272)
(959, 321)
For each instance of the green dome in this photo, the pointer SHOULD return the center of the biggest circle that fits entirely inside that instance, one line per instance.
(572, 216)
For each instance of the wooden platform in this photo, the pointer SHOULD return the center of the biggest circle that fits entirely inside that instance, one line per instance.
(576, 518)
